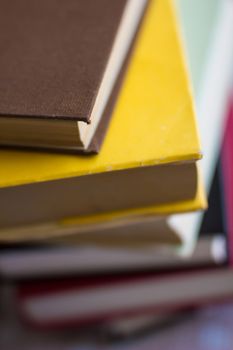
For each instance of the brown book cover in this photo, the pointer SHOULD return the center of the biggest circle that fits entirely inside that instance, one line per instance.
(55, 56)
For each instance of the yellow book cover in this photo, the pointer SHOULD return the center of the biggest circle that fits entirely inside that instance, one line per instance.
(109, 222)
(153, 123)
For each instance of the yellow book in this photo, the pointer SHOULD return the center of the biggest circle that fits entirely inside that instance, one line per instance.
(126, 231)
(146, 223)
(147, 162)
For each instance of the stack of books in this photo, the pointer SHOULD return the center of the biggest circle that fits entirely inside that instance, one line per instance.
(102, 193)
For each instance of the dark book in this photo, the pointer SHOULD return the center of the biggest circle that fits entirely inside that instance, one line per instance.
(59, 64)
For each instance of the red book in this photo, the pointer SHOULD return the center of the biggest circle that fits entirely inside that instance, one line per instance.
(95, 300)
(227, 171)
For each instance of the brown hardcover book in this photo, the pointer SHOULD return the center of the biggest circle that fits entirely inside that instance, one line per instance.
(59, 64)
